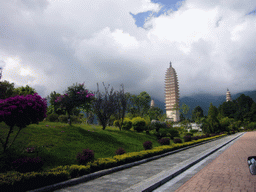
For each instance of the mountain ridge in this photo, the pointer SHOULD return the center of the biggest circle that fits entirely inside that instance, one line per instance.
(204, 100)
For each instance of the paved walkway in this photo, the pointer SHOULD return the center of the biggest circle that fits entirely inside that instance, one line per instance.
(131, 179)
(228, 172)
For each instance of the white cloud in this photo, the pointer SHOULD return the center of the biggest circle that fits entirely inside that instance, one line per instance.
(52, 45)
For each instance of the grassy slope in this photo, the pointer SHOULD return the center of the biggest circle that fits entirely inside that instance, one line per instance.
(58, 143)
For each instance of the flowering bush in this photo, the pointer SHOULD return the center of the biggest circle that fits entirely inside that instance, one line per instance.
(75, 96)
(164, 141)
(177, 140)
(28, 164)
(85, 156)
(195, 138)
(147, 145)
(187, 138)
(120, 151)
(21, 111)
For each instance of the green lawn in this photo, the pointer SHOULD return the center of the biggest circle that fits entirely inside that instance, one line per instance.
(59, 143)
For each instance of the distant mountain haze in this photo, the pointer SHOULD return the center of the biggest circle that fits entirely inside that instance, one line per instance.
(204, 100)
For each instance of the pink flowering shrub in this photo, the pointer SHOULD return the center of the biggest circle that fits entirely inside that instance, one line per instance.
(164, 141)
(21, 111)
(85, 156)
(147, 145)
(120, 151)
(27, 164)
(75, 96)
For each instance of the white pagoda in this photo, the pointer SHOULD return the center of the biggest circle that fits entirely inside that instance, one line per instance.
(228, 96)
(172, 95)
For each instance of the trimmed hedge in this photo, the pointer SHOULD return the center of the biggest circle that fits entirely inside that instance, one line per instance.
(15, 181)
(139, 124)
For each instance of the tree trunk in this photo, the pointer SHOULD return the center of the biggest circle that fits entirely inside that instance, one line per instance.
(87, 115)
(69, 119)
(7, 138)
(103, 125)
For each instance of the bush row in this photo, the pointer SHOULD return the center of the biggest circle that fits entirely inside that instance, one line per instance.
(63, 118)
(15, 181)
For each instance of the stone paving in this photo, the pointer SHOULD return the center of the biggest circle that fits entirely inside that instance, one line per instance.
(121, 180)
(229, 172)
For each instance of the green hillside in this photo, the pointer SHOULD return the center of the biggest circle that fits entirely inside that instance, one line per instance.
(59, 143)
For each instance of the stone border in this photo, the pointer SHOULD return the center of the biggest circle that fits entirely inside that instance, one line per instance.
(98, 174)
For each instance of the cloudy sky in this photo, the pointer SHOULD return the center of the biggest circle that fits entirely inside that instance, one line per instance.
(51, 44)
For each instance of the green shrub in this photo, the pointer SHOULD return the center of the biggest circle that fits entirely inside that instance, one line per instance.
(193, 131)
(166, 132)
(163, 132)
(189, 134)
(81, 116)
(105, 163)
(78, 170)
(15, 181)
(116, 123)
(139, 124)
(127, 124)
(63, 118)
(74, 119)
(52, 117)
(156, 125)
(172, 132)
(251, 126)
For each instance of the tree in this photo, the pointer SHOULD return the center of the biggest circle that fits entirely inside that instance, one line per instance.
(197, 114)
(55, 105)
(74, 97)
(155, 113)
(184, 109)
(252, 114)
(184, 122)
(87, 108)
(228, 109)
(105, 104)
(211, 124)
(27, 90)
(6, 89)
(138, 105)
(121, 106)
(243, 104)
(21, 111)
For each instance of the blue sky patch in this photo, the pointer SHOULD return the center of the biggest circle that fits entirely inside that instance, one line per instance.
(167, 5)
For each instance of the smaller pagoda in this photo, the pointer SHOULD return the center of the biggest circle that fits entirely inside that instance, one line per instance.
(228, 96)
